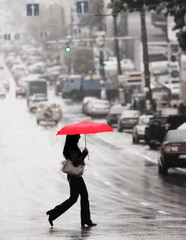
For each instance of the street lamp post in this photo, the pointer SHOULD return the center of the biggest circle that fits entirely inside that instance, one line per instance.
(145, 55)
(116, 43)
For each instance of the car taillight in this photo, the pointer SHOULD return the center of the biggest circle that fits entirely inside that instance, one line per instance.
(171, 149)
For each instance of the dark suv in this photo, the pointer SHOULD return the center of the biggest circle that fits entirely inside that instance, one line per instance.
(158, 127)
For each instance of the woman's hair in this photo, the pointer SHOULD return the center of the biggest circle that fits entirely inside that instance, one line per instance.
(71, 142)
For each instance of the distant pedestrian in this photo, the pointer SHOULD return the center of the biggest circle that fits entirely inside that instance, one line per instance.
(72, 152)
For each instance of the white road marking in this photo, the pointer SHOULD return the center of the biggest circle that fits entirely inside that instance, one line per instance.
(107, 183)
(180, 169)
(163, 212)
(124, 193)
(144, 156)
(144, 203)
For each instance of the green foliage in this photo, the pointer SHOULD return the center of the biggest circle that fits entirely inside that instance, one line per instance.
(132, 5)
(182, 39)
(175, 8)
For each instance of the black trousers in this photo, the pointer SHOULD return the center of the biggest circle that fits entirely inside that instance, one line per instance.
(77, 187)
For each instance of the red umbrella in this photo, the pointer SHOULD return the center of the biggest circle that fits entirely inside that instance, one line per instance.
(85, 127)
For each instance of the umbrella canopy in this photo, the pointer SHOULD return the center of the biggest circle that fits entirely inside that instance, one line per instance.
(85, 127)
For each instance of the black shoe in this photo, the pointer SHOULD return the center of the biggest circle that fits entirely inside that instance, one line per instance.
(49, 212)
(89, 224)
(50, 218)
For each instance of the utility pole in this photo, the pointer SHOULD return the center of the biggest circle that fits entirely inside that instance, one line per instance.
(115, 14)
(116, 43)
(145, 54)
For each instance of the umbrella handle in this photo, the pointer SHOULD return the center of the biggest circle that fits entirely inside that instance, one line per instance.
(86, 144)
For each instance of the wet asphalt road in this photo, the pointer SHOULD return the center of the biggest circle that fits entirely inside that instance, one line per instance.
(128, 199)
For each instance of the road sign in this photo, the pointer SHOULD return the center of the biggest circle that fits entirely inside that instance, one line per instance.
(43, 35)
(82, 7)
(7, 36)
(32, 9)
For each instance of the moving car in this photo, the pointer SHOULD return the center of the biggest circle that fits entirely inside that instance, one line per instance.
(2, 92)
(172, 151)
(84, 103)
(36, 99)
(49, 112)
(114, 113)
(128, 119)
(97, 107)
(138, 131)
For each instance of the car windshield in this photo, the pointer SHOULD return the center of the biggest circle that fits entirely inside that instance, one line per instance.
(145, 120)
(176, 136)
(118, 109)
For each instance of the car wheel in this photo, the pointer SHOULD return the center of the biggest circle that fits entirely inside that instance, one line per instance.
(120, 129)
(56, 122)
(152, 146)
(162, 169)
(135, 139)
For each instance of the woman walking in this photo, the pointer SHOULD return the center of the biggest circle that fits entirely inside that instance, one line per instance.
(72, 152)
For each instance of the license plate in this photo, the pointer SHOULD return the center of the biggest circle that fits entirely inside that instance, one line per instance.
(182, 156)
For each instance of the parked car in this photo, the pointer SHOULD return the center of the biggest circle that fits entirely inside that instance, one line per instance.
(172, 151)
(138, 131)
(114, 114)
(97, 107)
(21, 90)
(158, 127)
(128, 119)
(36, 99)
(48, 111)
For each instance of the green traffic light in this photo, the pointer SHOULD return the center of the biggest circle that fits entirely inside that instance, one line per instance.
(101, 67)
(67, 49)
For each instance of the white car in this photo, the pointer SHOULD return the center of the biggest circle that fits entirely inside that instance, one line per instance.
(85, 101)
(174, 85)
(97, 107)
(138, 131)
(48, 112)
(35, 101)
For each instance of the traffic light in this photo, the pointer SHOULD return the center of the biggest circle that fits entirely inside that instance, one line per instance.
(101, 64)
(67, 49)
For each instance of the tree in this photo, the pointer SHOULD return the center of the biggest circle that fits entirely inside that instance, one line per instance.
(81, 60)
(177, 9)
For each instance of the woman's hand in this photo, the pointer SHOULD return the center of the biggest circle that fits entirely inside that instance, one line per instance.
(86, 150)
